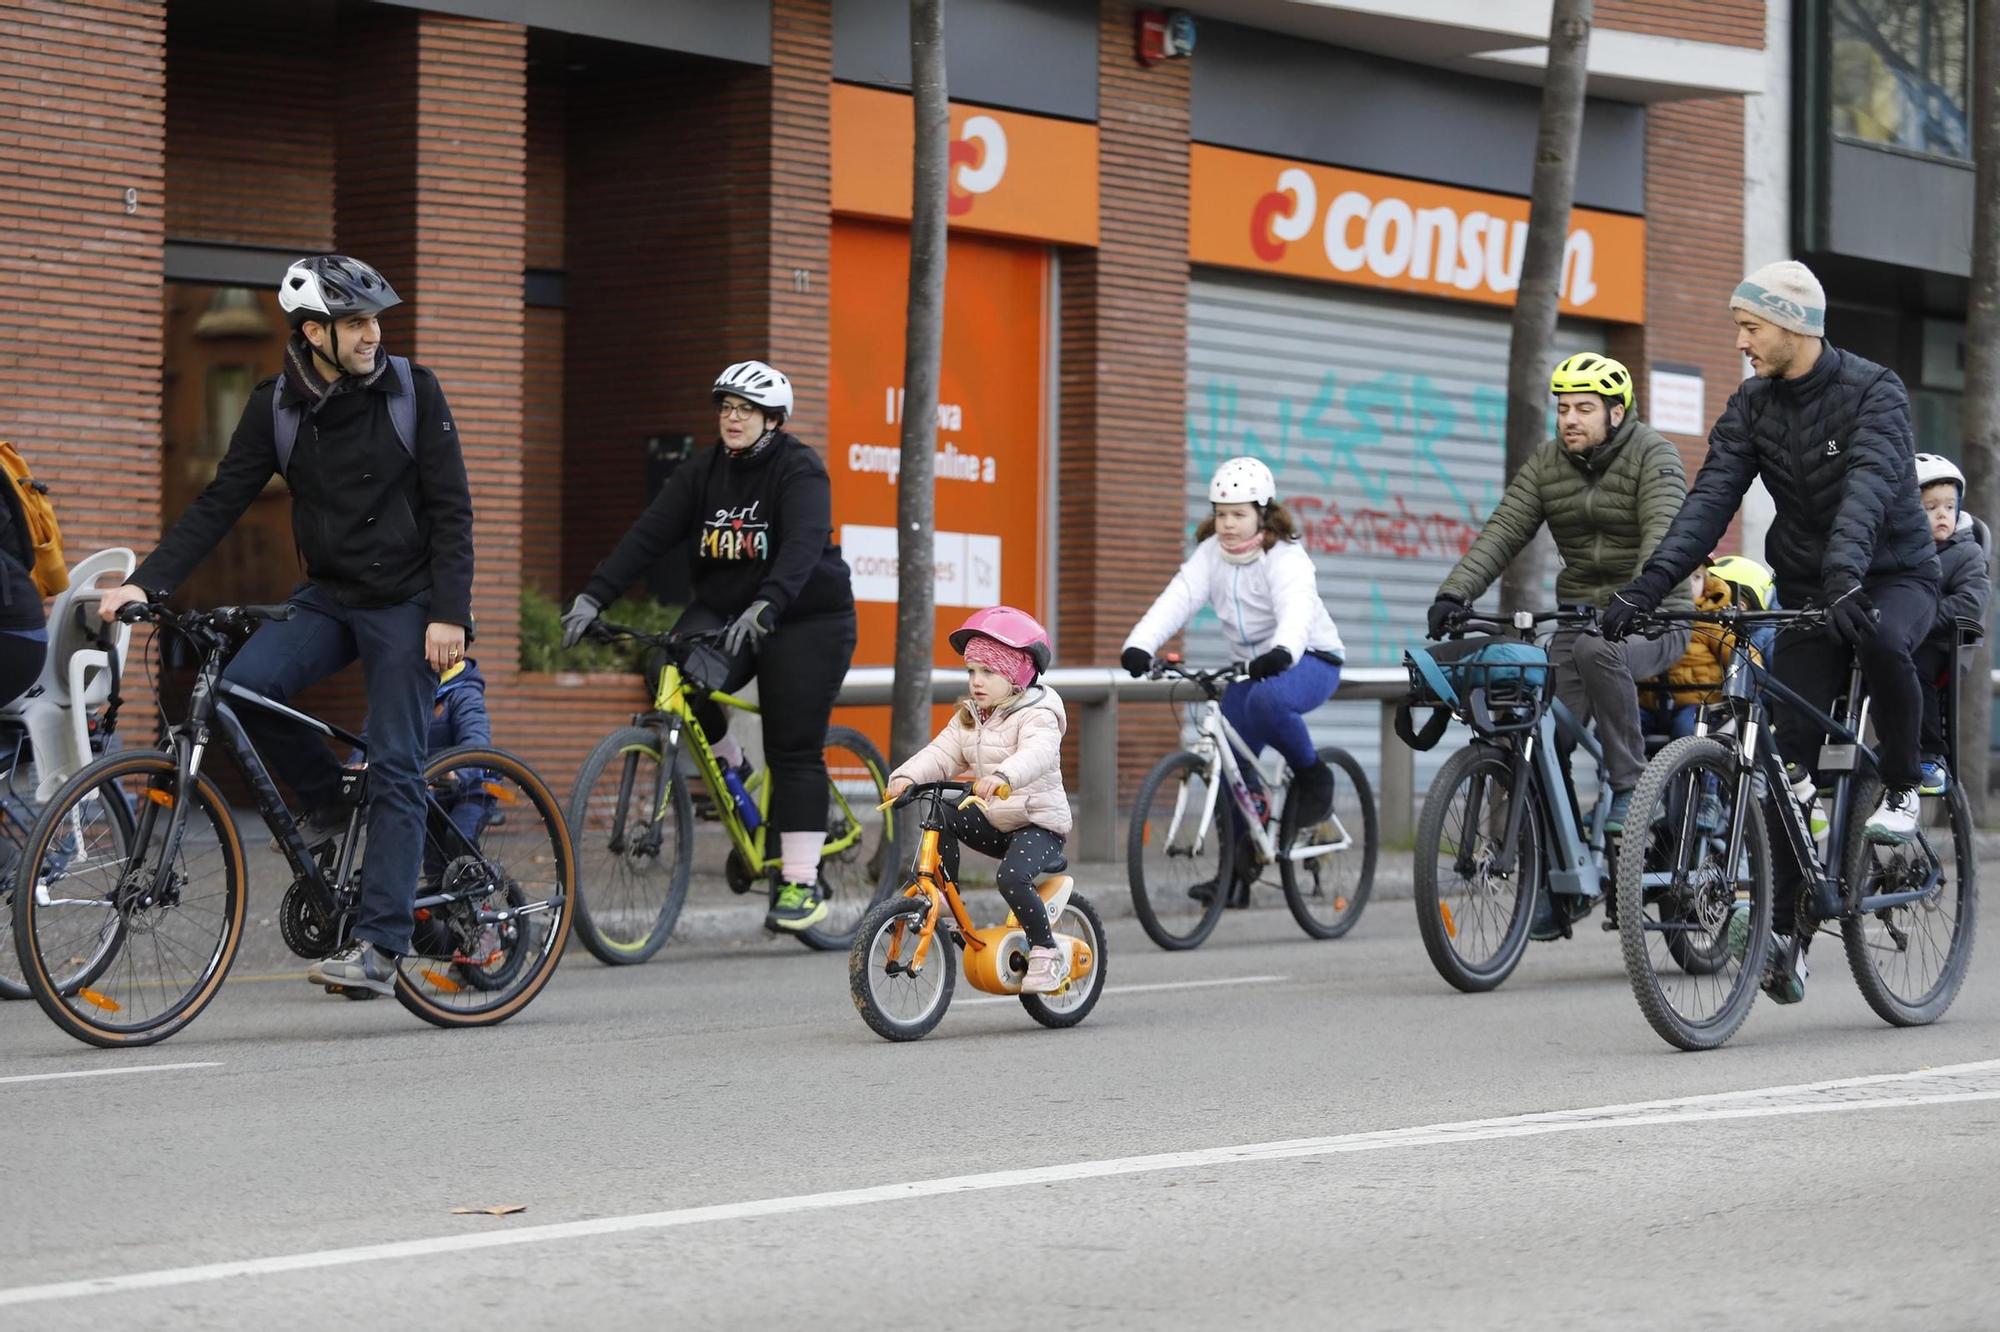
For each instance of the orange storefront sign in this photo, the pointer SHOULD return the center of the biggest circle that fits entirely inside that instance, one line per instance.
(1270, 215)
(989, 454)
(1011, 174)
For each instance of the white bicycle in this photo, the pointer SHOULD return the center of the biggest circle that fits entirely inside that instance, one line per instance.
(1190, 853)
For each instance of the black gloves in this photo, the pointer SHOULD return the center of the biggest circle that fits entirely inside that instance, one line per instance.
(1850, 616)
(1272, 662)
(1625, 608)
(1136, 661)
(1445, 614)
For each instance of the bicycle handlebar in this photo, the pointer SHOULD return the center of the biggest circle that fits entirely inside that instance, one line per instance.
(605, 631)
(1162, 667)
(220, 617)
(942, 791)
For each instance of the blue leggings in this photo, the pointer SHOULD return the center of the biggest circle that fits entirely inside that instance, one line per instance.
(1273, 711)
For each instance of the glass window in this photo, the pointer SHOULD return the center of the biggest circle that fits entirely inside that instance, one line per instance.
(1899, 74)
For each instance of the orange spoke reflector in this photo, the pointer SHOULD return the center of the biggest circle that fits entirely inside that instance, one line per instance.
(1146, 833)
(1450, 925)
(1340, 904)
(504, 794)
(442, 981)
(158, 796)
(103, 1001)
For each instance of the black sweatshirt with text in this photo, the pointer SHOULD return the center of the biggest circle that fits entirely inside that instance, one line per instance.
(757, 528)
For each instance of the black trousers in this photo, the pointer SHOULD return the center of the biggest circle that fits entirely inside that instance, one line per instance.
(1025, 855)
(1933, 657)
(20, 664)
(798, 669)
(1815, 665)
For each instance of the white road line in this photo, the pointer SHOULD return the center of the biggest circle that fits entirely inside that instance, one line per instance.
(1110, 990)
(107, 1072)
(1953, 1085)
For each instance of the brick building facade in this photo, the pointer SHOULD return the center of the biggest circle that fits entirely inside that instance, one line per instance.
(585, 227)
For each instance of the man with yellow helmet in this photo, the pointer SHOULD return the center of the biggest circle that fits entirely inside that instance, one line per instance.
(1608, 485)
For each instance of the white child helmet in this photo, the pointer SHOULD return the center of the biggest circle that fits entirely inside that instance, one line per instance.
(1242, 481)
(753, 381)
(1935, 467)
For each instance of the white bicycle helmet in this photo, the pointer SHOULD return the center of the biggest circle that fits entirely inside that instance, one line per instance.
(327, 287)
(753, 381)
(1935, 467)
(1242, 481)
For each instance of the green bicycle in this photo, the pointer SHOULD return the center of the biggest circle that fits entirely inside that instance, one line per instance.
(631, 815)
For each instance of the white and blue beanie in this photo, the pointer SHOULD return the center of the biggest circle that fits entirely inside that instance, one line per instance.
(1786, 294)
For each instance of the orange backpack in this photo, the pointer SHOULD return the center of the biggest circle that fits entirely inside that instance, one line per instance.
(51, 573)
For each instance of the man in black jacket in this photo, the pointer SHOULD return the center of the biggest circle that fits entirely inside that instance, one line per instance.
(382, 516)
(1830, 435)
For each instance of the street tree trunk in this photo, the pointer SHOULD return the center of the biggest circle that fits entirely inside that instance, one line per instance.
(923, 354)
(1530, 354)
(1982, 380)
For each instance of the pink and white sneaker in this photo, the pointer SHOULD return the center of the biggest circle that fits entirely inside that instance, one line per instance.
(1048, 971)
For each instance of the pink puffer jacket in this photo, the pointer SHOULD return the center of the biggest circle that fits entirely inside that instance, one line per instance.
(1021, 743)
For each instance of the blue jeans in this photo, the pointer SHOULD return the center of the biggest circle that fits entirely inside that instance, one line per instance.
(1273, 711)
(283, 658)
(1675, 719)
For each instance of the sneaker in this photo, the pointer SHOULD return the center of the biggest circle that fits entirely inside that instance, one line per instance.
(1048, 971)
(1785, 973)
(1932, 779)
(1204, 892)
(1312, 788)
(360, 966)
(1708, 815)
(1894, 821)
(1621, 805)
(1544, 926)
(799, 906)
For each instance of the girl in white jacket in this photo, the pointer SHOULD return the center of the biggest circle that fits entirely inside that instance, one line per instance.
(1007, 733)
(1248, 565)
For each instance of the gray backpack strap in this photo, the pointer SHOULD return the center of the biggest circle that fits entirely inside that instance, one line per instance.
(285, 420)
(403, 404)
(284, 425)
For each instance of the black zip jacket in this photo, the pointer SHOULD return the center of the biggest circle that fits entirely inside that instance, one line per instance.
(1836, 451)
(20, 599)
(375, 526)
(757, 528)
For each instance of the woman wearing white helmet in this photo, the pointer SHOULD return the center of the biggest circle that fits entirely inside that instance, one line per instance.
(1963, 587)
(755, 515)
(1249, 566)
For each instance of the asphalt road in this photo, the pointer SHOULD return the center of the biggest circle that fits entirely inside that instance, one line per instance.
(1269, 1132)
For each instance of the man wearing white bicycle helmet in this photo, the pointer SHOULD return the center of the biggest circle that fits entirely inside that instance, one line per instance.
(1249, 566)
(1963, 587)
(756, 516)
(382, 516)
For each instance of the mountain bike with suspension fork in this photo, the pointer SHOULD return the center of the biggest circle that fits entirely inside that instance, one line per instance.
(1501, 823)
(1181, 850)
(141, 849)
(1906, 914)
(632, 814)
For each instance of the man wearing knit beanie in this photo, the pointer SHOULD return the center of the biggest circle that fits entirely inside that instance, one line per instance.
(1829, 433)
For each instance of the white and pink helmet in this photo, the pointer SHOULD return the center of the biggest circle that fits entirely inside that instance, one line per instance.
(1014, 628)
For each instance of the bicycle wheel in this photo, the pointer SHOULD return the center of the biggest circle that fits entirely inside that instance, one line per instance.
(1326, 891)
(857, 866)
(1909, 960)
(1180, 852)
(633, 824)
(1073, 1005)
(1694, 894)
(486, 952)
(1474, 919)
(897, 1002)
(120, 944)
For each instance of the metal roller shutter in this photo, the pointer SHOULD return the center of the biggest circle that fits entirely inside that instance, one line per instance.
(1384, 419)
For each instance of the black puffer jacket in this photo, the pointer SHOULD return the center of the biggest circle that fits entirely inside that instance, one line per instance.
(1836, 451)
(20, 599)
(1964, 586)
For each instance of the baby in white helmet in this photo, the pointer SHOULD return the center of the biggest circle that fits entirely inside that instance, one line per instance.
(1962, 593)
(1249, 565)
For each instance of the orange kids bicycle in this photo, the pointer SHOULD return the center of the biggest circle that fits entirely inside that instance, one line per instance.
(902, 973)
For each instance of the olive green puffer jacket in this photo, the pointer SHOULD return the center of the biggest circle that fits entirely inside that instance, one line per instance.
(1606, 510)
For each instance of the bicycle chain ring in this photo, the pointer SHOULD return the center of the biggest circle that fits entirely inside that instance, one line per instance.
(306, 932)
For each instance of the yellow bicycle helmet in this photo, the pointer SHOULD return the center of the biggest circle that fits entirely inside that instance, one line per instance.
(1745, 575)
(1593, 372)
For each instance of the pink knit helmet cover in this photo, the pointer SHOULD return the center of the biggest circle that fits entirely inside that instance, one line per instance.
(1010, 662)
